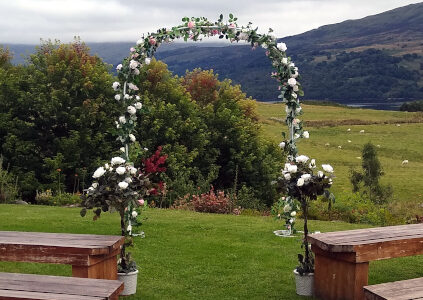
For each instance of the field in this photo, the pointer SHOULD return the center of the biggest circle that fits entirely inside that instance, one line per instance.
(398, 136)
(188, 255)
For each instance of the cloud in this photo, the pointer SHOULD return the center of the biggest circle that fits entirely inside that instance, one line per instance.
(26, 21)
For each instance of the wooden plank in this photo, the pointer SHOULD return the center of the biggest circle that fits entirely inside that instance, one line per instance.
(398, 290)
(20, 295)
(59, 285)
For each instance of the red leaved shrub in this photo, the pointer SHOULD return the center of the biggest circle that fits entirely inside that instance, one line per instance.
(212, 202)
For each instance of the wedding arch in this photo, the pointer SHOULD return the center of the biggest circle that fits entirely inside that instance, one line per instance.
(286, 73)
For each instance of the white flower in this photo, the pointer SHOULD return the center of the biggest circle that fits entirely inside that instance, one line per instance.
(282, 145)
(306, 177)
(99, 172)
(106, 166)
(137, 72)
(330, 181)
(301, 159)
(131, 110)
(119, 67)
(90, 189)
(264, 46)
(298, 110)
(126, 97)
(295, 75)
(147, 60)
(122, 120)
(122, 149)
(320, 174)
(292, 169)
(284, 60)
(294, 95)
(292, 65)
(288, 109)
(291, 220)
(300, 182)
(116, 85)
(292, 81)
(243, 36)
(138, 105)
(137, 97)
(296, 136)
(95, 185)
(132, 137)
(133, 171)
(327, 168)
(140, 41)
(117, 97)
(312, 164)
(282, 46)
(133, 64)
(120, 170)
(128, 179)
(293, 214)
(295, 88)
(287, 208)
(134, 214)
(123, 185)
(287, 176)
(306, 135)
(132, 86)
(117, 160)
(129, 228)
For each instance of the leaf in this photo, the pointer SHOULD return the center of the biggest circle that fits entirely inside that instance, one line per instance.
(231, 16)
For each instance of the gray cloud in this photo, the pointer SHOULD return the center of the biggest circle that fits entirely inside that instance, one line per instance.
(26, 21)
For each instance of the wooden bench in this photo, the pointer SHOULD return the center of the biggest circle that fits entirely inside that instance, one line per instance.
(40, 287)
(398, 290)
(91, 256)
(342, 258)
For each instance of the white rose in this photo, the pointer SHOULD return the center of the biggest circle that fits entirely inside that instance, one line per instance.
(122, 149)
(119, 67)
(306, 135)
(282, 145)
(300, 182)
(295, 75)
(132, 137)
(327, 168)
(123, 185)
(296, 136)
(287, 176)
(126, 97)
(137, 72)
(292, 81)
(264, 46)
(129, 228)
(133, 64)
(95, 185)
(131, 110)
(120, 170)
(295, 88)
(99, 172)
(134, 214)
(117, 97)
(122, 120)
(128, 179)
(117, 160)
(320, 174)
(287, 208)
(138, 105)
(282, 46)
(284, 60)
(312, 164)
(106, 166)
(133, 171)
(147, 60)
(301, 159)
(116, 85)
(292, 169)
(306, 177)
(292, 65)
(140, 41)
(291, 220)
(90, 189)
(293, 214)
(243, 36)
(132, 86)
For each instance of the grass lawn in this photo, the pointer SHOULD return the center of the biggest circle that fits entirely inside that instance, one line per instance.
(187, 255)
(397, 143)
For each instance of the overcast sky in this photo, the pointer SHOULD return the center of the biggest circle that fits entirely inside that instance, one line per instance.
(26, 21)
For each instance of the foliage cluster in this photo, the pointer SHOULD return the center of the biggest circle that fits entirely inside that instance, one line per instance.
(60, 199)
(55, 114)
(412, 106)
(8, 184)
(212, 202)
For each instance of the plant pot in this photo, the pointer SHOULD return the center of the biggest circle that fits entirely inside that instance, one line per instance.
(130, 282)
(304, 284)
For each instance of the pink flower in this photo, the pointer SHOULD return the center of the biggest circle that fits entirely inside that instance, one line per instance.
(232, 26)
(191, 25)
(141, 202)
(267, 53)
(214, 32)
(152, 41)
(132, 49)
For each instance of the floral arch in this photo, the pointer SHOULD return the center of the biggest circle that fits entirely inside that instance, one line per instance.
(286, 73)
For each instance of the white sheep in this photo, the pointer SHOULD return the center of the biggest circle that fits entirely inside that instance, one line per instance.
(404, 162)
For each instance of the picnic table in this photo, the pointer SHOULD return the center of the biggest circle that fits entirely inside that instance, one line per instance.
(91, 256)
(342, 258)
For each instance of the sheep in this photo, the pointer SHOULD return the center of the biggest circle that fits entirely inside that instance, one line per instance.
(404, 162)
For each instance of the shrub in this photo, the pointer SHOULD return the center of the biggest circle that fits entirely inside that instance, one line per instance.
(8, 185)
(212, 202)
(62, 199)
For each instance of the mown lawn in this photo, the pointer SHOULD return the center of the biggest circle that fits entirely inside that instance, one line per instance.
(396, 143)
(187, 255)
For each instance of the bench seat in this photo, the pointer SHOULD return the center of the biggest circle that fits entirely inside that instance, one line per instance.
(398, 290)
(15, 286)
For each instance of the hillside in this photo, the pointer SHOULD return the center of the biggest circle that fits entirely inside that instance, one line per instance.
(377, 58)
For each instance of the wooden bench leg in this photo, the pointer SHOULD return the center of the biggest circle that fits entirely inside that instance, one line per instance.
(106, 269)
(337, 279)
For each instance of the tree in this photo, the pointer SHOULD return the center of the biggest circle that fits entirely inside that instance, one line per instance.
(368, 179)
(56, 112)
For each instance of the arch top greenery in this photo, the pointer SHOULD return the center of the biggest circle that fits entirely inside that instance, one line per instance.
(286, 73)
